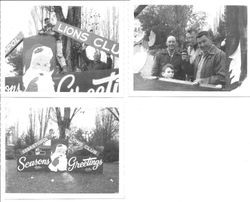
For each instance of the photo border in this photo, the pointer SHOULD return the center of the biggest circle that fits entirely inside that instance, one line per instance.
(81, 102)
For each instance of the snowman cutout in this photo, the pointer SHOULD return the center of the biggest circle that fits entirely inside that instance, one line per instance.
(38, 77)
(59, 159)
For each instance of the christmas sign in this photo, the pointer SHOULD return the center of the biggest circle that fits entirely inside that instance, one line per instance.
(61, 157)
(89, 38)
(96, 81)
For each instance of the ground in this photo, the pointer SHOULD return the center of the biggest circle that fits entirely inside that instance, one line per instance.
(49, 182)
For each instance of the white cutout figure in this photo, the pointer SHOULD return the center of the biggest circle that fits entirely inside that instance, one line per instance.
(59, 159)
(38, 77)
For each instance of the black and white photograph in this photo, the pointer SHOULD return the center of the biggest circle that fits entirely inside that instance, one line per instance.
(190, 48)
(124, 100)
(61, 150)
(60, 47)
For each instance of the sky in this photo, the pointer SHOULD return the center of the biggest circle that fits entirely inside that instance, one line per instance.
(211, 11)
(15, 113)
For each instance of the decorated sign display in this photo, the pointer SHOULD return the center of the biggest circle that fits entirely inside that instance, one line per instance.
(96, 81)
(61, 157)
(89, 38)
(13, 44)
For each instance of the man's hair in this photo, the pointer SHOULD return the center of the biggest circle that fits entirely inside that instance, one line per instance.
(167, 66)
(46, 19)
(191, 30)
(203, 33)
(51, 130)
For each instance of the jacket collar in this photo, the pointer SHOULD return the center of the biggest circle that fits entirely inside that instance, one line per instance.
(165, 51)
(211, 51)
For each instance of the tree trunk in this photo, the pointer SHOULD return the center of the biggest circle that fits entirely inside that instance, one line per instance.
(64, 122)
(74, 19)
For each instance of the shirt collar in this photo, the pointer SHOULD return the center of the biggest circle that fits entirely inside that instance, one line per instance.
(171, 55)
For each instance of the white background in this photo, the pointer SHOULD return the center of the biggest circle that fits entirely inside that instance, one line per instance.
(184, 149)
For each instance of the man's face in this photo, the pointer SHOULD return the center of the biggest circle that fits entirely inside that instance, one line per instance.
(97, 56)
(204, 43)
(191, 38)
(171, 43)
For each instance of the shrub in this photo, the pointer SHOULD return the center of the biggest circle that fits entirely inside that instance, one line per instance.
(111, 151)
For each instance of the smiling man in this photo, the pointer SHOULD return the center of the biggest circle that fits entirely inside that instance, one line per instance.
(169, 56)
(210, 65)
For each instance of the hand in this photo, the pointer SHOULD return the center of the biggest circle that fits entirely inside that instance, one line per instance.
(198, 81)
(84, 46)
(185, 58)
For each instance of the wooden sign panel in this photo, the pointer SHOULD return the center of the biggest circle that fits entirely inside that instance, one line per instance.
(89, 38)
(99, 81)
(33, 163)
(14, 43)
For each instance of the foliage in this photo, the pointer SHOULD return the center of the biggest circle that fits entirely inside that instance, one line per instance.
(106, 133)
(106, 128)
(170, 20)
(29, 139)
(111, 151)
(15, 59)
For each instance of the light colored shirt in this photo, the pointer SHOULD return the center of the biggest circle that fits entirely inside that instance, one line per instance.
(192, 54)
(200, 66)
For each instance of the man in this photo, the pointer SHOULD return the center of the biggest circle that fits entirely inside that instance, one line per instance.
(171, 56)
(209, 67)
(48, 30)
(96, 64)
(192, 46)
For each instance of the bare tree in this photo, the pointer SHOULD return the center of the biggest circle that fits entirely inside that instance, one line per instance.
(43, 118)
(114, 111)
(64, 119)
(107, 126)
(73, 18)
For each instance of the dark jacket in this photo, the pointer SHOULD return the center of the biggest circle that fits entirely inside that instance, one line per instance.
(214, 70)
(97, 65)
(162, 58)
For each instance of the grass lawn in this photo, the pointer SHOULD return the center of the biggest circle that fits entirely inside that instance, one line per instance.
(49, 182)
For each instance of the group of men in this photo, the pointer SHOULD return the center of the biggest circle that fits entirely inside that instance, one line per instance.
(79, 50)
(202, 62)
